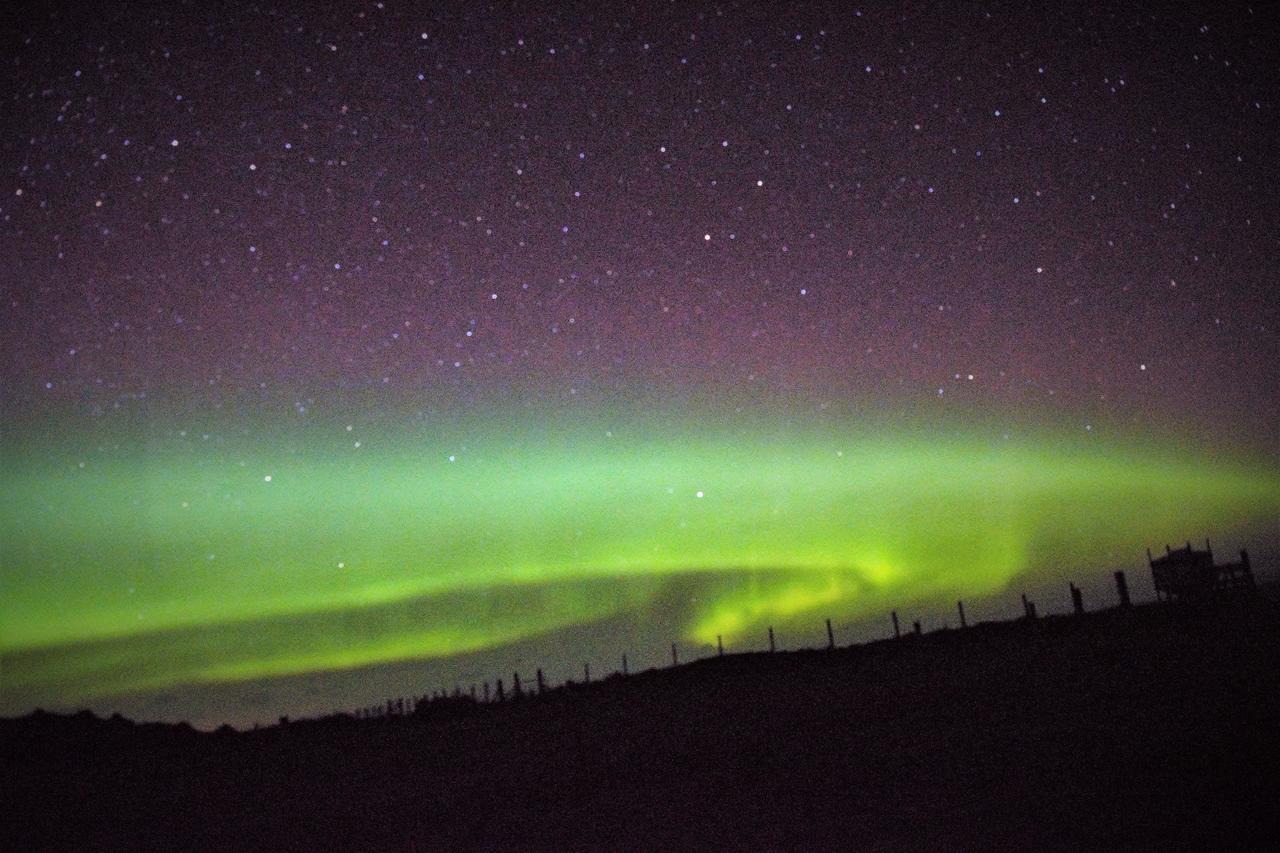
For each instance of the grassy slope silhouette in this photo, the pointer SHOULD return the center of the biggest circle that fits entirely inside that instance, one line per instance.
(1153, 727)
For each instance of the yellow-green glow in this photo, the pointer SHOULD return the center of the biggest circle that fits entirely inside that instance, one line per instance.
(133, 563)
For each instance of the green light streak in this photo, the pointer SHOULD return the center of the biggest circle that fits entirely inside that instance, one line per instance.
(351, 555)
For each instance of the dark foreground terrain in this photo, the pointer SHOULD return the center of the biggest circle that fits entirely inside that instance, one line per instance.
(1151, 728)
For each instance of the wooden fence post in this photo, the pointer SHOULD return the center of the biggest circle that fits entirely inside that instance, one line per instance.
(772, 647)
(897, 632)
(831, 637)
(1122, 589)
(960, 607)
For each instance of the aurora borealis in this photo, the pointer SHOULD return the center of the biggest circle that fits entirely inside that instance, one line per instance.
(332, 547)
(381, 347)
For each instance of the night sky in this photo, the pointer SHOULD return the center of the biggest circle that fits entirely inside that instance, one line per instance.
(359, 349)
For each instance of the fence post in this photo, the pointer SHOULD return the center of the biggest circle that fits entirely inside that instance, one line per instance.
(486, 693)
(542, 686)
(960, 607)
(624, 664)
(916, 627)
(772, 647)
(720, 645)
(1122, 589)
(831, 637)
(1077, 600)
(515, 686)
(675, 660)
(897, 632)
(586, 673)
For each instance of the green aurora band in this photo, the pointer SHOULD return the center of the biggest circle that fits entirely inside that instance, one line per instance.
(209, 555)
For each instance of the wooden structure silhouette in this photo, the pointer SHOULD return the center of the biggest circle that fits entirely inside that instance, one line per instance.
(1185, 573)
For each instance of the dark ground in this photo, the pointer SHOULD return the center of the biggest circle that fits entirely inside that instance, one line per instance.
(1153, 728)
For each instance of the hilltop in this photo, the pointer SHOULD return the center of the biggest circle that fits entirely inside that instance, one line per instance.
(1152, 726)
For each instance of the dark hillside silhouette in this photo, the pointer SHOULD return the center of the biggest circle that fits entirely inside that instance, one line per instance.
(1148, 726)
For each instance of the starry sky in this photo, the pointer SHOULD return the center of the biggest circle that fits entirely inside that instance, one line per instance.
(354, 345)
